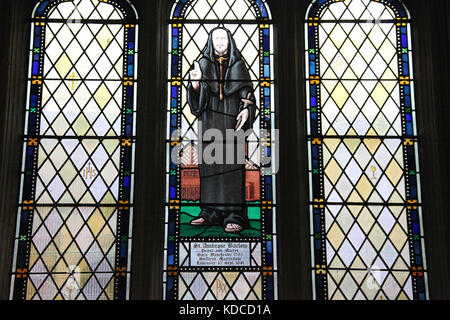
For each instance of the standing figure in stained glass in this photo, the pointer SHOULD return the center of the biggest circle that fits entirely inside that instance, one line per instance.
(220, 94)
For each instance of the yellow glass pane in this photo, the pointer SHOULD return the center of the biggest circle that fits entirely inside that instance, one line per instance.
(365, 220)
(68, 172)
(105, 239)
(332, 144)
(394, 172)
(61, 267)
(354, 197)
(400, 265)
(110, 289)
(88, 199)
(379, 95)
(90, 145)
(107, 212)
(377, 237)
(34, 255)
(364, 187)
(230, 276)
(59, 280)
(108, 199)
(335, 236)
(333, 171)
(81, 125)
(398, 237)
(63, 66)
(96, 222)
(104, 37)
(352, 144)
(258, 289)
(110, 145)
(30, 290)
(102, 96)
(340, 95)
(84, 272)
(396, 198)
(329, 85)
(372, 144)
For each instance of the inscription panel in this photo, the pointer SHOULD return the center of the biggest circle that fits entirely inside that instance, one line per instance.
(220, 254)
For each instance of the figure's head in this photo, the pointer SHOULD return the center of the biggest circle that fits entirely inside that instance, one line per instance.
(220, 41)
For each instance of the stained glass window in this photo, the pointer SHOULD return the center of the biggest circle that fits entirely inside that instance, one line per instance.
(205, 261)
(365, 203)
(75, 209)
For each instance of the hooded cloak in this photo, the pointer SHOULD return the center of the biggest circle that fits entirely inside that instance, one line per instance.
(222, 186)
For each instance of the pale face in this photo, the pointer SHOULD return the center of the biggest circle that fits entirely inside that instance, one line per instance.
(220, 42)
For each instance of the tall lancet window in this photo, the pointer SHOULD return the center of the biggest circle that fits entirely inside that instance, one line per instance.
(365, 203)
(75, 209)
(220, 210)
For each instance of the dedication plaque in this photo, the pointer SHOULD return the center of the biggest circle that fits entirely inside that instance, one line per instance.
(220, 254)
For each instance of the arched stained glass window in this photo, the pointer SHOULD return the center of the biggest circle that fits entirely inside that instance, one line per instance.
(365, 203)
(209, 260)
(75, 209)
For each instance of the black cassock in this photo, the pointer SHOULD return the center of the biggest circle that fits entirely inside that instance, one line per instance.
(225, 82)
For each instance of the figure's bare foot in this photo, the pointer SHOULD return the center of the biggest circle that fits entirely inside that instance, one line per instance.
(199, 222)
(233, 228)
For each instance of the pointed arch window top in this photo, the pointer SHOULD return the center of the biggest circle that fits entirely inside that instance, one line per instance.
(86, 10)
(221, 10)
(367, 10)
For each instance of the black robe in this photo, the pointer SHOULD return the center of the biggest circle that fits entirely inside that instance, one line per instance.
(222, 186)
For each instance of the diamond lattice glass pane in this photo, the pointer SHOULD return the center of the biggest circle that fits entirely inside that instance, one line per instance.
(77, 173)
(73, 245)
(85, 9)
(363, 170)
(221, 9)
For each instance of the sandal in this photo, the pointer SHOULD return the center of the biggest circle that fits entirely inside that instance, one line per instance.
(233, 228)
(199, 222)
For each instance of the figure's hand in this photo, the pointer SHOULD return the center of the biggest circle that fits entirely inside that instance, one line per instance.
(242, 119)
(195, 76)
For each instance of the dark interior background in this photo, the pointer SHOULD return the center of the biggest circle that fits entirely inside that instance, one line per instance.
(431, 45)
